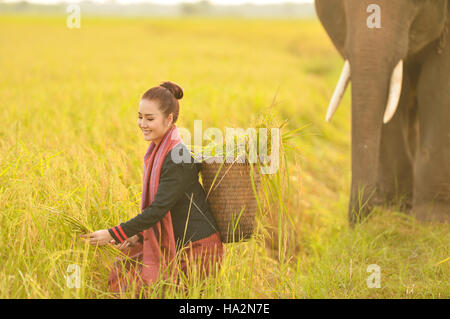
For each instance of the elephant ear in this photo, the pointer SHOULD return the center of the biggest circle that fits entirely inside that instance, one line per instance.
(429, 24)
(331, 14)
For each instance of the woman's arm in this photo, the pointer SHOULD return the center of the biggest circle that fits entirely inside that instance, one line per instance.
(174, 181)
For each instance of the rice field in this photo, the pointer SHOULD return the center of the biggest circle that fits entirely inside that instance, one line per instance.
(71, 156)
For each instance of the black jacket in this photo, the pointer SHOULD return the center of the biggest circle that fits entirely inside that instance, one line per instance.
(178, 182)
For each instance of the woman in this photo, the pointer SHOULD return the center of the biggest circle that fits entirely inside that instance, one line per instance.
(175, 213)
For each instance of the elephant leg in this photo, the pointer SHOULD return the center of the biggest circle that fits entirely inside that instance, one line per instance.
(395, 174)
(432, 163)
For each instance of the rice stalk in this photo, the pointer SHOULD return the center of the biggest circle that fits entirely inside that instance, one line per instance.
(78, 227)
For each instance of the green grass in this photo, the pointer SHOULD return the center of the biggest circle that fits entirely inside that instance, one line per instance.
(69, 141)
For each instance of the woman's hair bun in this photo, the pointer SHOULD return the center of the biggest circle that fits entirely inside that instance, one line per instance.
(176, 90)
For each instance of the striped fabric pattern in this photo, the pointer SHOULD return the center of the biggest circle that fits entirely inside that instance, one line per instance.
(118, 234)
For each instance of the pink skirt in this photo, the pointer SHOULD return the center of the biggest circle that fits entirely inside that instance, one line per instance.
(205, 253)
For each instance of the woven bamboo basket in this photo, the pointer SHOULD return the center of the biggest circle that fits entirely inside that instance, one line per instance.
(231, 199)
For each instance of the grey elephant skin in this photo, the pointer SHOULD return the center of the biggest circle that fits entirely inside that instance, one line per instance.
(405, 157)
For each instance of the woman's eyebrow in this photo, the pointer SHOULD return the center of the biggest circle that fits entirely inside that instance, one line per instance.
(145, 114)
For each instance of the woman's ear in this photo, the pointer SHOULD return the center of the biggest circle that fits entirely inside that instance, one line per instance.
(170, 119)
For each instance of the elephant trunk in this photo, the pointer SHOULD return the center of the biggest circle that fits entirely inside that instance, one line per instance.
(376, 90)
(370, 85)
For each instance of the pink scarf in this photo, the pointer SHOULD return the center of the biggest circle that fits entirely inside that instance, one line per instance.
(159, 241)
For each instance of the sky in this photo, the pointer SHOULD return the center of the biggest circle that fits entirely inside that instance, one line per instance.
(172, 1)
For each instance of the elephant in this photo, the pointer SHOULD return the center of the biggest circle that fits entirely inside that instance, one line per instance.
(397, 58)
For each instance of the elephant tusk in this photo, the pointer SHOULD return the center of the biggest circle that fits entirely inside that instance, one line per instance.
(395, 91)
(339, 91)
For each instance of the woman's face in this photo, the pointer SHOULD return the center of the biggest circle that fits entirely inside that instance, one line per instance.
(152, 122)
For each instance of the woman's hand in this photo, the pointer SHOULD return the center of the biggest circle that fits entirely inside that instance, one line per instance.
(129, 242)
(99, 238)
